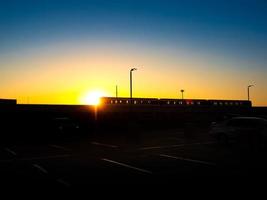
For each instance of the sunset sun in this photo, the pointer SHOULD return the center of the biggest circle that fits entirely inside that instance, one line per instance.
(92, 97)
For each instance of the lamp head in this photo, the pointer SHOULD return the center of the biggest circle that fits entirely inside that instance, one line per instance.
(133, 69)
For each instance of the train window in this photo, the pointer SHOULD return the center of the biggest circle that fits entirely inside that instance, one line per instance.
(141, 102)
(111, 102)
(231, 103)
(198, 103)
(236, 103)
(168, 102)
(192, 103)
(135, 102)
(149, 102)
(120, 101)
(215, 103)
(241, 103)
(127, 101)
(174, 102)
(116, 101)
(226, 103)
(180, 102)
(221, 103)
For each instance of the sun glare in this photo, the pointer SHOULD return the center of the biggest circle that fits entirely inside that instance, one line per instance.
(92, 97)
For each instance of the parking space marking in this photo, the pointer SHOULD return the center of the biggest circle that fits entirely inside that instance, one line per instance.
(59, 147)
(65, 183)
(127, 166)
(45, 157)
(10, 151)
(40, 168)
(174, 146)
(36, 158)
(161, 147)
(105, 145)
(188, 159)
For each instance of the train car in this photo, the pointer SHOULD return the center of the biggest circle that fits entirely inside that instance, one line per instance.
(229, 103)
(128, 101)
(174, 102)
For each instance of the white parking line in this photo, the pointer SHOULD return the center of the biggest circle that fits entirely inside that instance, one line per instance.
(176, 145)
(40, 168)
(65, 183)
(59, 147)
(45, 157)
(187, 159)
(161, 147)
(105, 145)
(128, 166)
(10, 151)
(36, 158)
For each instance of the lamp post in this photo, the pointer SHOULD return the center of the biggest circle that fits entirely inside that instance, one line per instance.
(131, 84)
(182, 91)
(116, 91)
(248, 91)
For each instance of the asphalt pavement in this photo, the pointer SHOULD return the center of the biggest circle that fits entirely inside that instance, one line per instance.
(149, 157)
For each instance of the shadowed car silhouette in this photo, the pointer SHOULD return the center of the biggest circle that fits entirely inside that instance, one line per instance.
(64, 125)
(253, 129)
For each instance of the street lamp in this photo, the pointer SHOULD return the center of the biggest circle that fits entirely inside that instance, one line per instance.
(116, 91)
(182, 91)
(131, 84)
(248, 90)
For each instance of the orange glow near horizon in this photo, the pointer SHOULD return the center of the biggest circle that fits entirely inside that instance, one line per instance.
(92, 97)
(80, 75)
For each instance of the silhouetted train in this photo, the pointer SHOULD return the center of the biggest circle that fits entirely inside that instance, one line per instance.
(174, 102)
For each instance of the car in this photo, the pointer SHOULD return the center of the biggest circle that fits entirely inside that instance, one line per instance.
(65, 125)
(252, 129)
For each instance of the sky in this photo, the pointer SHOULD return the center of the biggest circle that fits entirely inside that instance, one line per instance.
(56, 52)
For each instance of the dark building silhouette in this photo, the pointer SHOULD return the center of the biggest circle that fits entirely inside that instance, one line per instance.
(8, 101)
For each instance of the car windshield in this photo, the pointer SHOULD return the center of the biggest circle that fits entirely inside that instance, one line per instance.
(245, 122)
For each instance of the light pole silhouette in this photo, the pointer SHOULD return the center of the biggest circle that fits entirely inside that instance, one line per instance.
(182, 91)
(116, 91)
(131, 83)
(248, 91)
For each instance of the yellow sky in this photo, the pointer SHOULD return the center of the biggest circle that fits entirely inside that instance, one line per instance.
(64, 74)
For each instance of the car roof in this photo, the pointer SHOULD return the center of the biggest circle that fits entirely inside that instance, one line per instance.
(250, 118)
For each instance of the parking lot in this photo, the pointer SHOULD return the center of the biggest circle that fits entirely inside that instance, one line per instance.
(152, 157)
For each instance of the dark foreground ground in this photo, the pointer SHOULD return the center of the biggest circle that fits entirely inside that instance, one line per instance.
(164, 156)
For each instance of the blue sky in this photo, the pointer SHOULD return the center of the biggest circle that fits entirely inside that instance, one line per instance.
(232, 30)
(230, 25)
